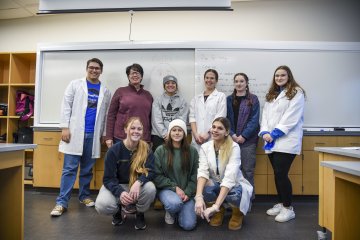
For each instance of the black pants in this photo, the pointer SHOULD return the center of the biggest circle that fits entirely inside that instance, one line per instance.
(156, 141)
(281, 163)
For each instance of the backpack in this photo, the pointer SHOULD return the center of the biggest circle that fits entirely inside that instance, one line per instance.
(3, 109)
(24, 135)
(24, 105)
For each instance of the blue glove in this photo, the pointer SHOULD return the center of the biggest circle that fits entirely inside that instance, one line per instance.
(269, 145)
(276, 133)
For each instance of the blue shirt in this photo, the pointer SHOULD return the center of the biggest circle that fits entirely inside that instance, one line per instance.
(93, 96)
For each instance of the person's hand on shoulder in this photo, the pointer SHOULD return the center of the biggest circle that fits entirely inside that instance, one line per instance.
(165, 137)
(109, 143)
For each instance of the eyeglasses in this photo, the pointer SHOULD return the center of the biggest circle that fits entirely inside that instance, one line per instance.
(94, 68)
(134, 73)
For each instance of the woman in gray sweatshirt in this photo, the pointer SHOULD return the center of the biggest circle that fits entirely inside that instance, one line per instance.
(167, 107)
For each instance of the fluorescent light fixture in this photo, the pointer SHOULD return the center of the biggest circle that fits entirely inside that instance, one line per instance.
(82, 6)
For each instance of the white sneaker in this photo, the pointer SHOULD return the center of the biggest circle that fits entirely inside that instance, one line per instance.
(285, 214)
(88, 202)
(57, 211)
(275, 210)
(168, 218)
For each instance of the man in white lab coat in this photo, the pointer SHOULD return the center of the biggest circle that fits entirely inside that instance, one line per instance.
(83, 113)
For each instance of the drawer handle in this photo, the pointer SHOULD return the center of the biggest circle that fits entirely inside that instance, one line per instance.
(48, 138)
(354, 144)
(320, 143)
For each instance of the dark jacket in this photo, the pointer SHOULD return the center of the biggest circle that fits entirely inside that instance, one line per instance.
(117, 166)
(175, 177)
(248, 120)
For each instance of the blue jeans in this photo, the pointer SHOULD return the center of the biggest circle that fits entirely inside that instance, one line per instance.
(232, 198)
(185, 211)
(69, 172)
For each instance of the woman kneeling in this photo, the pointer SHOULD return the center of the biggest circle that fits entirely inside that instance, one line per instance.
(176, 164)
(129, 169)
(220, 180)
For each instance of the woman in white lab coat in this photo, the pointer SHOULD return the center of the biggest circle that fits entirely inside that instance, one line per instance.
(281, 129)
(219, 180)
(205, 107)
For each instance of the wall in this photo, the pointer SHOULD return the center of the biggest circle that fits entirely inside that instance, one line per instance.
(300, 20)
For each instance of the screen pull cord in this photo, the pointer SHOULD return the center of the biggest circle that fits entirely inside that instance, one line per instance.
(131, 18)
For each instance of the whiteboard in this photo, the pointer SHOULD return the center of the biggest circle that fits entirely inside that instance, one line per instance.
(60, 67)
(328, 71)
(330, 78)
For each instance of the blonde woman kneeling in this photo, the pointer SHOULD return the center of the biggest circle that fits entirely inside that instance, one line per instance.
(220, 180)
(129, 170)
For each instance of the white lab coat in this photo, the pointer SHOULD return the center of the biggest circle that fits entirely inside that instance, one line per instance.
(230, 174)
(204, 113)
(288, 116)
(73, 110)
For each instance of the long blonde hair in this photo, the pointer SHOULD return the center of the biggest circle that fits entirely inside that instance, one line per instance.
(138, 159)
(226, 147)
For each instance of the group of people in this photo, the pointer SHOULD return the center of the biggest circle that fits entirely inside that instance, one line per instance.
(149, 153)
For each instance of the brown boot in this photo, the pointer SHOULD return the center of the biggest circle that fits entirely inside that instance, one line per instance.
(217, 219)
(236, 219)
(158, 205)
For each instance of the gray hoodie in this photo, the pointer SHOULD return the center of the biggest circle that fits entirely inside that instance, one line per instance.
(166, 108)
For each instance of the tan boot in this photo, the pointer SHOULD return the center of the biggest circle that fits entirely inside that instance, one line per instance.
(236, 219)
(217, 219)
(158, 205)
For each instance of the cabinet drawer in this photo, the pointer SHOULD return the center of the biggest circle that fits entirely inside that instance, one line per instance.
(348, 141)
(261, 166)
(326, 141)
(47, 138)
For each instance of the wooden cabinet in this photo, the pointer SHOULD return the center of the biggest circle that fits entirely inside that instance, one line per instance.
(310, 173)
(48, 161)
(311, 158)
(348, 141)
(264, 175)
(260, 177)
(99, 169)
(296, 181)
(17, 72)
(311, 161)
(304, 172)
